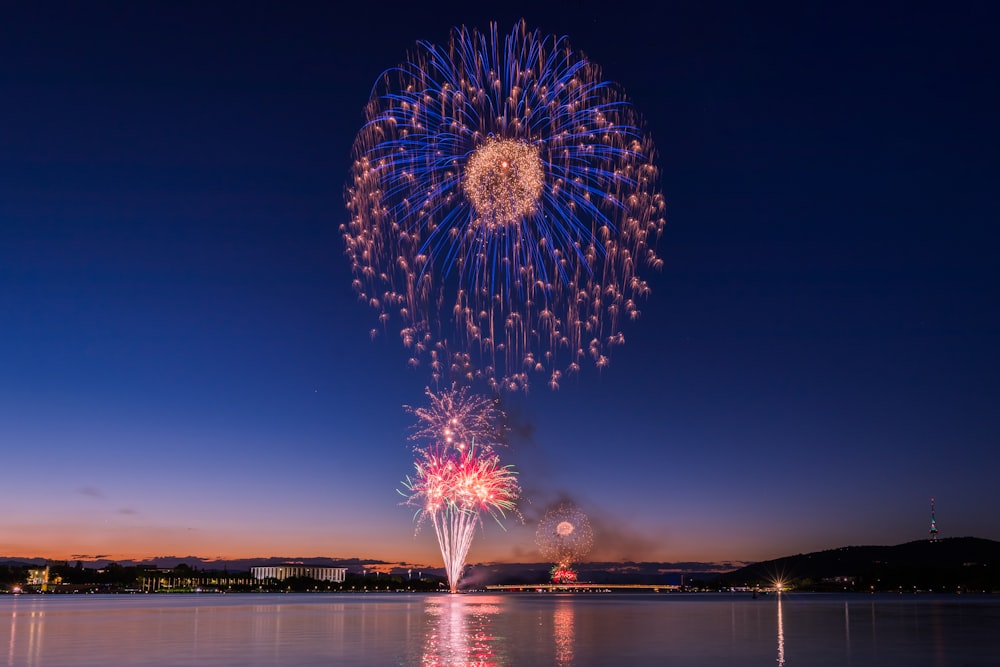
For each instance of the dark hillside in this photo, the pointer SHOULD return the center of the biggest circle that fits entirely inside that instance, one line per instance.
(962, 563)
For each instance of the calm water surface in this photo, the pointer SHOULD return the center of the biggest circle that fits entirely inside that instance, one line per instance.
(793, 630)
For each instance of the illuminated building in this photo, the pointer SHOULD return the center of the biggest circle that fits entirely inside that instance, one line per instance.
(282, 572)
(39, 577)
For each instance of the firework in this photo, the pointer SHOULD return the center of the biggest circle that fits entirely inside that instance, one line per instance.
(456, 418)
(503, 207)
(564, 537)
(563, 575)
(453, 485)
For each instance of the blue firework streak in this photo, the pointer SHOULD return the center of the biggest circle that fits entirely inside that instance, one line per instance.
(503, 205)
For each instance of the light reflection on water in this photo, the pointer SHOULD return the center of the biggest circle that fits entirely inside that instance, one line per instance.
(847, 629)
(781, 635)
(459, 632)
(564, 632)
(496, 630)
(33, 621)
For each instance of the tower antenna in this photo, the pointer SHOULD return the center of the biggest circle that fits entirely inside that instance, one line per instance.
(934, 530)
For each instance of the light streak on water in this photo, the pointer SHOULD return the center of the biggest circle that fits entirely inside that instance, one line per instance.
(781, 635)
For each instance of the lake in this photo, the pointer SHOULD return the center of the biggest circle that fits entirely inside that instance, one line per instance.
(483, 629)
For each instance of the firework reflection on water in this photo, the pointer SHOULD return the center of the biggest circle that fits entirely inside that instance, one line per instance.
(460, 632)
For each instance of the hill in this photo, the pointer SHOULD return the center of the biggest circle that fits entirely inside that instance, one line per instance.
(953, 564)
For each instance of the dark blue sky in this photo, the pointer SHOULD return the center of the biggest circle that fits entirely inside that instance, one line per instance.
(184, 368)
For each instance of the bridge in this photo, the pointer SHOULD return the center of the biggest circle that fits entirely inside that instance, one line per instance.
(581, 588)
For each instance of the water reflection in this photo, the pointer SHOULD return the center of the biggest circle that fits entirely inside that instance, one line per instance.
(32, 646)
(781, 635)
(13, 633)
(847, 629)
(495, 630)
(460, 632)
(563, 632)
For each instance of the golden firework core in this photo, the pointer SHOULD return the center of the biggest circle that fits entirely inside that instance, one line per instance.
(564, 528)
(503, 180)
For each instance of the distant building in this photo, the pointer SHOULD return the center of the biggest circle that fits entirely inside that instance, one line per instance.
(39, 577)
(282, 572)
(153, 579)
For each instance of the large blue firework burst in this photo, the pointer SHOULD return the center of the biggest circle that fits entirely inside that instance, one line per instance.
(504, 203)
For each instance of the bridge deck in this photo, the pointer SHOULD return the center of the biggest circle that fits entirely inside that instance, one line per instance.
(583, 587)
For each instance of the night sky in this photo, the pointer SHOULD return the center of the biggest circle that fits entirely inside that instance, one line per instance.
(185, 370)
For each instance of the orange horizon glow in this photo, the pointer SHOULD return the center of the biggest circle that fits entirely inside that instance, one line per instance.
(390, 541)
(420, 556)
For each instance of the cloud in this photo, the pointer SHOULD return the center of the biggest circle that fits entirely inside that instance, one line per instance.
(127, 510)
(90, 491)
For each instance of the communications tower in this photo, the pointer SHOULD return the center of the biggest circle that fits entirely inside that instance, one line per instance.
(934, 530)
